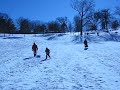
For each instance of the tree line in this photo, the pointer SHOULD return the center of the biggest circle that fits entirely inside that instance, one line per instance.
(90, 19)
(87, 19)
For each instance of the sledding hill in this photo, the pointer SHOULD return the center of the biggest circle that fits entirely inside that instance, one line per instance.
(70, 67)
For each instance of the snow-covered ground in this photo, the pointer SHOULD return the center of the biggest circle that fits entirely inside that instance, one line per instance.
(70, 67)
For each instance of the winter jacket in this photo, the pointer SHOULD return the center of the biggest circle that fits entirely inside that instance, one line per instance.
(47, 51)
(85, 42)
(34, 47)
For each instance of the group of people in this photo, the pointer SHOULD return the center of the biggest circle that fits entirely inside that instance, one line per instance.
(47, 51)
(35, 49)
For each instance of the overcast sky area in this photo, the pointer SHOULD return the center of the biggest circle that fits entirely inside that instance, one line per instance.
(46, 10)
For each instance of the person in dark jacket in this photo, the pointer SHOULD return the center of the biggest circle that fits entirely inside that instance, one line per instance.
(47, 53)
(34, 49)
(85, 44)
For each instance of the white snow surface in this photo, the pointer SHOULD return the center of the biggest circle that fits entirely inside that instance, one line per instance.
(70, 67)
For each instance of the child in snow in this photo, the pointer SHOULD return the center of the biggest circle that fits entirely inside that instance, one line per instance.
(85, 44)
(34, 49)
(47, 53)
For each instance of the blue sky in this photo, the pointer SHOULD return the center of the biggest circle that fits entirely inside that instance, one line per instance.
(46, 10)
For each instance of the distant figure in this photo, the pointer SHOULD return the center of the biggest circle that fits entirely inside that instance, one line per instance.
(97, 33)
(34, 49)
(47, 53)
(85, 44)
(87, 33)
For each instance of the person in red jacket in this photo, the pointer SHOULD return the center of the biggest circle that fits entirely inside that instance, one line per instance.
(34, 49)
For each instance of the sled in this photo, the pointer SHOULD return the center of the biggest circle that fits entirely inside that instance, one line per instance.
(85, 48)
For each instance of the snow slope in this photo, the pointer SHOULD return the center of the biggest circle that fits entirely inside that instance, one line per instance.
(70, 67)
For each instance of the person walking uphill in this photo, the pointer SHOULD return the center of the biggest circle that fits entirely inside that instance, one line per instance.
(34, 49)
(85, 44)
(47, 53)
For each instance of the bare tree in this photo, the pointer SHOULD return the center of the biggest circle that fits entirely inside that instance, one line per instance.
(24, 25)
(53, 27)
(96, 20)
(62, 21)
(85, 9)
(105, 18)
(117, 10)
(70, 28)
(77, 24)
(6, 24)
(115, 24)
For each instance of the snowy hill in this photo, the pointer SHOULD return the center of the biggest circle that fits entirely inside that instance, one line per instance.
(70, 67)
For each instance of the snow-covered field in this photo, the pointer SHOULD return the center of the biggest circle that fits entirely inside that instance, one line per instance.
(70, 67)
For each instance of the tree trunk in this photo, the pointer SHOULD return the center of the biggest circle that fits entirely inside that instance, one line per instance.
(81, 27)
